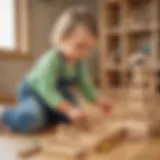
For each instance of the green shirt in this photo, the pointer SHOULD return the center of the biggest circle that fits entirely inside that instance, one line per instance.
(45, 75)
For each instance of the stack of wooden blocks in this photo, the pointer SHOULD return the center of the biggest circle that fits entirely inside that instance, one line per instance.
(141, 97)
(78, 142)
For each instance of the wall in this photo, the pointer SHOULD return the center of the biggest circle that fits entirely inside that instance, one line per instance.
(44, 13)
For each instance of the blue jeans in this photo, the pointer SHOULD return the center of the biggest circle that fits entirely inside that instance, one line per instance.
(33, 113)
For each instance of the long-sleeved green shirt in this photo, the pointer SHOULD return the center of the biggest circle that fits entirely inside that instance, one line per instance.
(44, 77)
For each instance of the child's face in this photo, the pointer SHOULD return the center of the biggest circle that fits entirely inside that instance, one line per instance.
(79, 43)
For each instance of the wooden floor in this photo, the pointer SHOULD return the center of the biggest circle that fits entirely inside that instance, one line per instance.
(145, 150)
(10, 144)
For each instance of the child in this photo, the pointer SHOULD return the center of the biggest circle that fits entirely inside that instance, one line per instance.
(45, 96)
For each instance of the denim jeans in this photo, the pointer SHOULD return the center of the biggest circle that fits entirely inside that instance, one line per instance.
(33, 113)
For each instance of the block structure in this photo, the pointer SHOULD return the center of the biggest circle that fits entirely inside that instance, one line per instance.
(78, 141)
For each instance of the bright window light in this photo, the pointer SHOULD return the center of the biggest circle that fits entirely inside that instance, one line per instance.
(7, 24)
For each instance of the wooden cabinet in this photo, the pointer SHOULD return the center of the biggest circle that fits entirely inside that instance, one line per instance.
(127, 27)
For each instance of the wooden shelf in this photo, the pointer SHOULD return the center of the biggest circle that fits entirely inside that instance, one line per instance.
(111, 1)
(114, 67)
(130, 26)
(132, 29)
(112, 10)
(115, 31)
(142, 28)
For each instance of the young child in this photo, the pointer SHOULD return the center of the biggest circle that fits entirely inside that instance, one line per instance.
(45, 96)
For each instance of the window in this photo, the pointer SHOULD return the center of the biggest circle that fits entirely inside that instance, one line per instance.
(14, 28)
(7, 27)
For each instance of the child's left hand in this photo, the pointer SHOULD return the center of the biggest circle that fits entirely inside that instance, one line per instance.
(104, 105)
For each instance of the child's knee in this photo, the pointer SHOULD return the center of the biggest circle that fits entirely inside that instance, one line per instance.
(30, 122)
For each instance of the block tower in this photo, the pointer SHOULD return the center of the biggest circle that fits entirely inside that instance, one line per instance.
(141, 98)
(140, 95)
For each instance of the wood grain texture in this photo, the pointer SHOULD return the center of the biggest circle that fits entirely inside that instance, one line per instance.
(126, 150)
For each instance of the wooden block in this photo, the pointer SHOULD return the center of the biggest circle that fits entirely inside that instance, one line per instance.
(94, 124)
(139, 80)
(87, 143)
(97, 156)
(65, 144)
(151, 151)
(67, 151)
(136, 107)
(64, 151)
(46, 156)
(137, 130)
(154, 128)
(110, 143)
(138, 93)
(30, 149)
(114, 132)
(67, 132)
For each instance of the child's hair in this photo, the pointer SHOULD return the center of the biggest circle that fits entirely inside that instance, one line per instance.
(70, 19)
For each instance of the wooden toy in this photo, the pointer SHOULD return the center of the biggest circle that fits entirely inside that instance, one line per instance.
(29, 149)
(76, 142)
(137, 93)
(155, 122)
(141, 100)
(137, 130)
(111, 142)
(154, 128)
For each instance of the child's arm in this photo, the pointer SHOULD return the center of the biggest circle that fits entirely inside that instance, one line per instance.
(47, 79)
(89, 90)
(86, 85)
(48, 76)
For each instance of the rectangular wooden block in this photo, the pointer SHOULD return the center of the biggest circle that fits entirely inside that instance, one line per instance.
(87, 143)
(113, 134)
(29, 149)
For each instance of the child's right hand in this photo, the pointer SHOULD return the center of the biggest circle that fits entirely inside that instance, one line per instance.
(77, 115)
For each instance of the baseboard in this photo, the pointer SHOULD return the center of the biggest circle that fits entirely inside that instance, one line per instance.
(7, 99)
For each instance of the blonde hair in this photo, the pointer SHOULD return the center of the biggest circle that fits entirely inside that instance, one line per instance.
(69, 19)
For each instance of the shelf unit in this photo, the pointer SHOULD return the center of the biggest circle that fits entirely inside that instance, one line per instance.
(127, 27)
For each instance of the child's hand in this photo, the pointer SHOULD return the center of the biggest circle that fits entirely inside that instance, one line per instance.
(77, 115)
(74, 113)
(104, 104)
